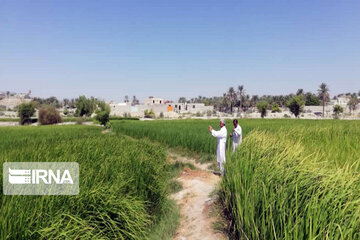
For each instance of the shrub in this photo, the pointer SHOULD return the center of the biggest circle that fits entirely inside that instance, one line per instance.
(66, 112)
(103, 113)
(49, 115)
(149, 114)
(275, 108)
(337, 111)
(296, 105)
(262, 107)
(80, 120)
(25, 112)
(103, 117)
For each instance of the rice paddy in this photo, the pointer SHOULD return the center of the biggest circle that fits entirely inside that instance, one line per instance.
(123, 191)
(290, 179)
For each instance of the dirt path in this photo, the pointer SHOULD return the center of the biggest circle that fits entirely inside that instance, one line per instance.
(195, 202)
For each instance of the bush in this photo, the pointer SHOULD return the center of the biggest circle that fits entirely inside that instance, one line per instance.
(149, 114)
(25, 112)
(103, 113)
(337, 111)
(103, 117)
(65, 112)
(49, 115)
(80, 120)
(262, 107)
(275, 108)
(296, 105)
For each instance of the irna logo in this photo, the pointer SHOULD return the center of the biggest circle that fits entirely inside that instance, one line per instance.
(22, 176)
(40, 178)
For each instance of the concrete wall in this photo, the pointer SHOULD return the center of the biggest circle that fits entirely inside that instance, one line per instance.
(177, 108)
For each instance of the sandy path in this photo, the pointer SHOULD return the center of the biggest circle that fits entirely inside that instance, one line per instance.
(194, 201)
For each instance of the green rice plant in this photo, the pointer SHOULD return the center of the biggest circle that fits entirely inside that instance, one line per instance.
(123, 185)
(336, 142)
(275, 189)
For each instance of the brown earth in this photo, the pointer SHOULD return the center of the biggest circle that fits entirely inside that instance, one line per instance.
(195, 203)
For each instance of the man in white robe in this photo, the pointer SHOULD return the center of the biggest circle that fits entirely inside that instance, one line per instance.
(221, 144)
(236, 135)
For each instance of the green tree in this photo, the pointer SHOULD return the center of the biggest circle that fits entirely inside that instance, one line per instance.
(85, 106)
(311, 99)
(323, 93)
(262, 108)
(25, 112)
(296, 105)
(338, 110)
(103, 113)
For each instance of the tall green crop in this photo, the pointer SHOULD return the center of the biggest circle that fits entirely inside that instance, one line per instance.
(274, 189)
(336, 142)
(122, 185)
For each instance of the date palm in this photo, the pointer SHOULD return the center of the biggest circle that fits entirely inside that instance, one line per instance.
(323, 93)
(242, 96)
(231, 96)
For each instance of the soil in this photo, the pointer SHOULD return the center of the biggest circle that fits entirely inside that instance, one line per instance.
(195, 202)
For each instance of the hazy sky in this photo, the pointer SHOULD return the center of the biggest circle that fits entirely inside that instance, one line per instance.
(175, 48)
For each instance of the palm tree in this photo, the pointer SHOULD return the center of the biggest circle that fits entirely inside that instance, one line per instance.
(323, 93)
(242, 96)
(231, 96)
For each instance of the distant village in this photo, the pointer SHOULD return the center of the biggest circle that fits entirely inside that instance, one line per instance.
(162, 108)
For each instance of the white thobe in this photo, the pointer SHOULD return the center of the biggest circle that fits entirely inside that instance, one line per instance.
(221, 146)
(237, 137)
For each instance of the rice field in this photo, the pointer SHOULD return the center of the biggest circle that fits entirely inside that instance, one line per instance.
(290, 179)
(335, 142)
(123, 191)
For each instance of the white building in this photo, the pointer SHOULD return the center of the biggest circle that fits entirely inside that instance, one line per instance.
(154, 101)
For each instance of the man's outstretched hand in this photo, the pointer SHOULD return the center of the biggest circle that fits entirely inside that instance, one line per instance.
(210, 128)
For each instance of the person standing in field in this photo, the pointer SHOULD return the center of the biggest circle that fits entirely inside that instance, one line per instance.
(236, 135)
(221, 144)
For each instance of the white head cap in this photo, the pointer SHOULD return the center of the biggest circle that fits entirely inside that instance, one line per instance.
(222, 121)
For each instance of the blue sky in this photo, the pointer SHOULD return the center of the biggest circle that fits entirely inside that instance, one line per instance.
(109, 49)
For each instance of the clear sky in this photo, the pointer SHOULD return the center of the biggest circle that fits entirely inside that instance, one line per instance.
(175, 48)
